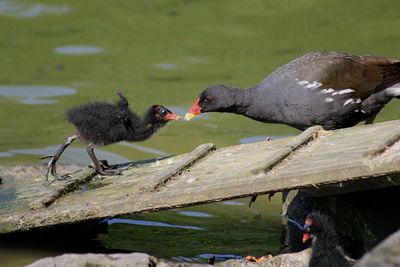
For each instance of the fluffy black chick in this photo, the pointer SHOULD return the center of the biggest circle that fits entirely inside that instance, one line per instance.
(326, 251)
(101, 123)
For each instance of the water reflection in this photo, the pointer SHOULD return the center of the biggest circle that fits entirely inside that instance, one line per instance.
(195, 214)
(220, 257)
(72, 155)
(181, 111)
(260, 138)
(152, 223)
(185, 259)
(146, 149)
(178, 109)
(33, 94)
(174, 66)
(78, 50)
(233, 203)
(23, 10)
(209, 125)
(5, 154)
(193, 59)
(202, 258)
(166, 66)
(8, 193)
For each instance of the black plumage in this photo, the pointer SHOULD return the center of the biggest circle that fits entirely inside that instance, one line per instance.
(331, 89)
(101, 123)
(326, 251)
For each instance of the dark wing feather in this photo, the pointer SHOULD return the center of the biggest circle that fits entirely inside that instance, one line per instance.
(124, 113)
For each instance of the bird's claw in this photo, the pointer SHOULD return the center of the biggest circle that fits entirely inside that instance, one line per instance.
(62, 177)
(56, 177)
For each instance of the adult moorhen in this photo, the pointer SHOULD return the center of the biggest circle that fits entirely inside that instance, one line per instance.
(325, 248)
(100, 124)
(331, 89)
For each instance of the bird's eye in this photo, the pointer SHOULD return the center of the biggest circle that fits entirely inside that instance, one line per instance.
(163, 112)
(206, 99)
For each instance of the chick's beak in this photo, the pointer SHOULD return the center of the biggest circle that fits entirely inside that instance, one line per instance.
(193, 111)
(306, 237)
(172, 117)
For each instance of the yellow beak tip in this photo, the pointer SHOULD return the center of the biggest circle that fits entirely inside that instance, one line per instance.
(189, 116)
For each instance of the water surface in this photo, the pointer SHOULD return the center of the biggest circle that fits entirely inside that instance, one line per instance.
(20, 9)
(197, 214)
(72, 155)
(33, 94)
(152, 223)
(77, 50)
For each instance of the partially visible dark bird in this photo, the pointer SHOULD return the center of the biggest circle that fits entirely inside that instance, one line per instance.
(100, 124)
(334, 90)
(326, 251)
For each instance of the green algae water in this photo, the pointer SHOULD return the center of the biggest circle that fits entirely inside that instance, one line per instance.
(56, 54)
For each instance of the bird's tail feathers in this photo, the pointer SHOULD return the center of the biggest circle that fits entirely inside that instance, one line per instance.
(392, 74)
(394, 91)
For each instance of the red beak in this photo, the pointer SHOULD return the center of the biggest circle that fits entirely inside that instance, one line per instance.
(193, 111)
(306, 237)
(172, 117)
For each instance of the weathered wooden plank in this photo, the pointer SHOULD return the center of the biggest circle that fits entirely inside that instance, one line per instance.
(353, 155)
(161, 178)
(277, 157)
(61, 189)
(354, 186)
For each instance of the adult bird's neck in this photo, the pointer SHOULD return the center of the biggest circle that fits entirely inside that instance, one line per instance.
(253, 104)
(241, 101)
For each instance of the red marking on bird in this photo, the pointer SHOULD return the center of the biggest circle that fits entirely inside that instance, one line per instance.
(194, 110)
(306, 237)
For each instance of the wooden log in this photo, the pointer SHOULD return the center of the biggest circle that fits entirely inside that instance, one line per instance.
(160, 179)
(61, 189)
(341, 157)
(279, 155)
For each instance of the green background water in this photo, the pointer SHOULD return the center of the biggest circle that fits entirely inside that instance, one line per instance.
(166, 52)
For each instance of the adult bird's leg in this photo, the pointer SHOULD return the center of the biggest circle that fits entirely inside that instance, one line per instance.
(98, 165)
(51, 166)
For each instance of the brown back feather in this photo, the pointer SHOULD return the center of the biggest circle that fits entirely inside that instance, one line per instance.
(364, 74)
